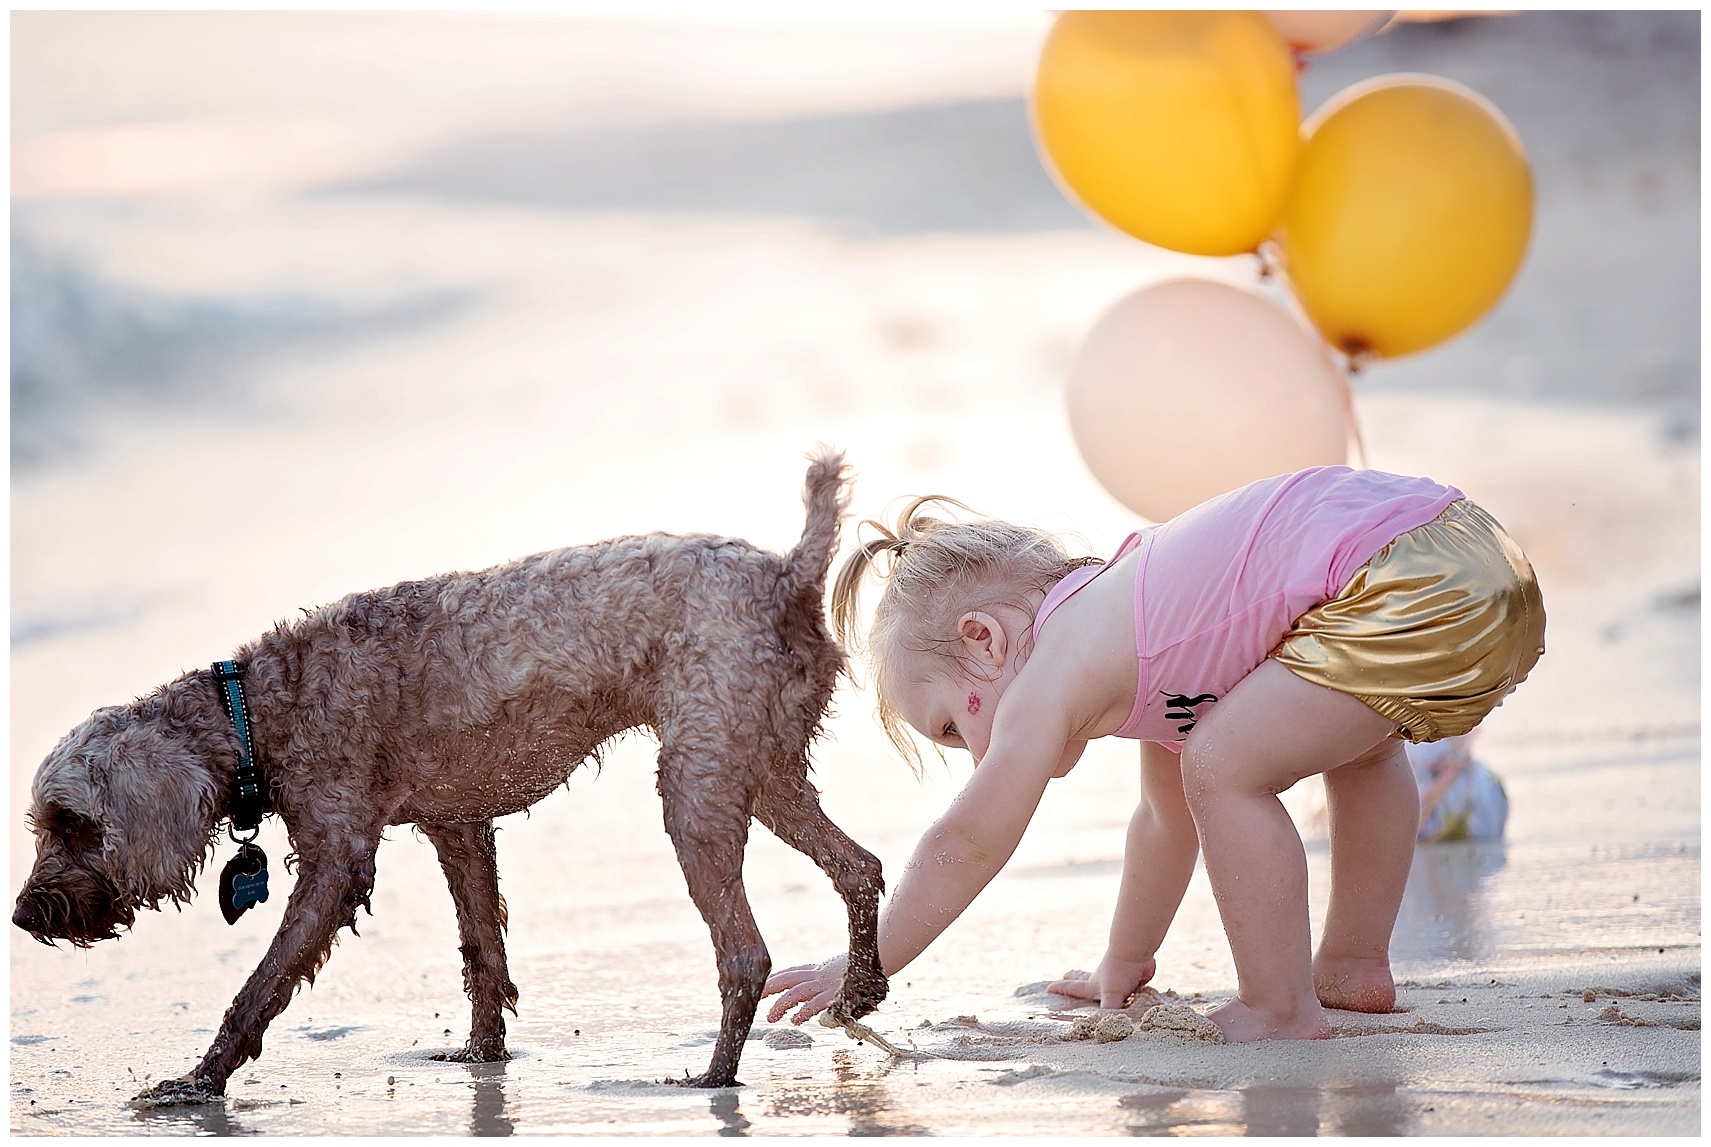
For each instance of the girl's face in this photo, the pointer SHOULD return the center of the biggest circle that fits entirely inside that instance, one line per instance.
(951, 706)
(954, 709)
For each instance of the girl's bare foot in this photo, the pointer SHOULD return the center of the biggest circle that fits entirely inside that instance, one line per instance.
(1243, 1024)
(1354, 983)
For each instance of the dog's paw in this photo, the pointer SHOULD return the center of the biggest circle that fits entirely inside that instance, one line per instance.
(185, 1091)
(705, 1079)
(859, 995)
(476, 1051)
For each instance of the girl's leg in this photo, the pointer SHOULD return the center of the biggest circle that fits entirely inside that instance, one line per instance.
(1374, 808)
(1271, 730)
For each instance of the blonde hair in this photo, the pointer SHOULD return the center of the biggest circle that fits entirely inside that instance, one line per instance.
(937, 571)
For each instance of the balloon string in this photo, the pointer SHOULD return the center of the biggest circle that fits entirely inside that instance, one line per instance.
(1271, 269)
(1353, 418)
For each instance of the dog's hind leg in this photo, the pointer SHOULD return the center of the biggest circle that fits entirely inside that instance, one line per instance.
(789, 808)
(335, 876)
(707, 803)
(472, 871)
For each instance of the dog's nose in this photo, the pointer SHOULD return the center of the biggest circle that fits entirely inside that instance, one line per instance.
(24, 915)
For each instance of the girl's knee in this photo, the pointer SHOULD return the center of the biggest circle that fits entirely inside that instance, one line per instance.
(1210, 774)
(1208, 779)
(1196, 779)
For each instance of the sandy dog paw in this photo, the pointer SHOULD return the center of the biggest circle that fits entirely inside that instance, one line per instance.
(182, 1092)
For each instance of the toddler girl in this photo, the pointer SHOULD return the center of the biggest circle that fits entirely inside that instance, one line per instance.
(1299, 625)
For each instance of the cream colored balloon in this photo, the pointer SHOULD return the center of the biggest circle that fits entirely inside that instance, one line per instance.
(1190, 388)
(1315, 33)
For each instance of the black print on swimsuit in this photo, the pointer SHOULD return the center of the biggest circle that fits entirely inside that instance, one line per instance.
(1178, 707)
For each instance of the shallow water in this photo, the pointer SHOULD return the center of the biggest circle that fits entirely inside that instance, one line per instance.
(618, 994)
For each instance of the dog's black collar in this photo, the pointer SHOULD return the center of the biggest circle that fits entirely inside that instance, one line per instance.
(249, 791)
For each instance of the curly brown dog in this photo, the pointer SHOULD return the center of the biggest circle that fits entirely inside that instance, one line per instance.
(453, 700)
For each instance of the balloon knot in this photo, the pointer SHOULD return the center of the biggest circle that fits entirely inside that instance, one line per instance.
(1360, 353)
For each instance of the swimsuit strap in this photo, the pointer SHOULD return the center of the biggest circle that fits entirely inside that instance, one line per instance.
(1070, 584)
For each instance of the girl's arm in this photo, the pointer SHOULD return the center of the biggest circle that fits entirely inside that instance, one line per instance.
(963, 850)
(1158, 861)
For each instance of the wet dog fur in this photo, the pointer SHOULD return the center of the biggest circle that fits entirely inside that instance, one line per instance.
(450, 701)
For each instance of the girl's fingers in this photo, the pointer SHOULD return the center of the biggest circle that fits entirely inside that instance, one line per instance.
(814, 1006)
(811, 985)
(797, 994)
(779, 1006)
(1075, 986)
(789, 978)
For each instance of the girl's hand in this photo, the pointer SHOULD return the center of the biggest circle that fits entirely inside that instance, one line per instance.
(1110, 985)
(811, 985)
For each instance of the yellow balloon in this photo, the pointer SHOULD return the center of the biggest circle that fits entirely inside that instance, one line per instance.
(1189, 388)
(1412, 207)
(1180, 128)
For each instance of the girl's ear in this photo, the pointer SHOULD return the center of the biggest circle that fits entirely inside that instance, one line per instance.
(984, 639)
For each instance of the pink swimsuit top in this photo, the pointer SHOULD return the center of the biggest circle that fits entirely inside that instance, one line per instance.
(1218, 586)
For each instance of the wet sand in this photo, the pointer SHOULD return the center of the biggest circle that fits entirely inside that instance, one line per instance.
(1500, 949)
(596, 374)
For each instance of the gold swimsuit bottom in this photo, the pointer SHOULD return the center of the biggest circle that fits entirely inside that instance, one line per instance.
(1433, 632)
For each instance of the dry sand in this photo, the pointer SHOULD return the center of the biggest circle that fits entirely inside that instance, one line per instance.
(591, 374)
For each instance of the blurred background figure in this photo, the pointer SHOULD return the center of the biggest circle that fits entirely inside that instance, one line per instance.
(1460, 798)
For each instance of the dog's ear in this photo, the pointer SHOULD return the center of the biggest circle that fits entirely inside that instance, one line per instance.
(160, 802)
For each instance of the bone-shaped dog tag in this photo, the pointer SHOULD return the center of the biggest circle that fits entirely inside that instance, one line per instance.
(243, 883)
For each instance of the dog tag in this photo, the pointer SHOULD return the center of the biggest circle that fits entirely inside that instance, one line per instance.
(243, 883)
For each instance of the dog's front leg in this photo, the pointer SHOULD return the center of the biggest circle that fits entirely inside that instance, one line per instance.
(468, 857)
(334, 878)
(791, 811)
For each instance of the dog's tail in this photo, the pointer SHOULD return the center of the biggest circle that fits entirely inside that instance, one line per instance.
(827, 496)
